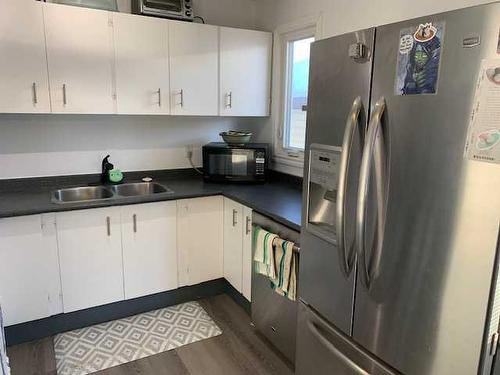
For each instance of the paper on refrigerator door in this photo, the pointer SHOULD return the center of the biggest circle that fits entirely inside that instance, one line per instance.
(4, 361)
(483, 141)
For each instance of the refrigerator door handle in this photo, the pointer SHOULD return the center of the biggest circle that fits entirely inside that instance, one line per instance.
(373, 153)
(316, 331)
(346, 257)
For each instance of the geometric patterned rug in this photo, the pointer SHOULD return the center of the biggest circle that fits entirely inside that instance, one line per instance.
(90, 349)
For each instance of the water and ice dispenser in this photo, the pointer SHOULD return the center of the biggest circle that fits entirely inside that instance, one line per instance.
(324, 164)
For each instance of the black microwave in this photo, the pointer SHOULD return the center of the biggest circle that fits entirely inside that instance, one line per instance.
(230, 163)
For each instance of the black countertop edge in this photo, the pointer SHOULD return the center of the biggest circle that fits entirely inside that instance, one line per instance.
(279, 199)
(27, 184)
(56, 182)
(280, 219)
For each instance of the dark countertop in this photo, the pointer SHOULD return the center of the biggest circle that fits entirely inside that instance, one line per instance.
(279, 199)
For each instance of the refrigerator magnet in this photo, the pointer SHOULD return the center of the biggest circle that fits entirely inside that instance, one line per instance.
(419, 56)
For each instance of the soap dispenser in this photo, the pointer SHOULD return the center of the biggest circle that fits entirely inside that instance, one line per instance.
(109, 173)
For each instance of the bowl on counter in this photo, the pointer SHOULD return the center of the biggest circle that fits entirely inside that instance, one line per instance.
(235, 137)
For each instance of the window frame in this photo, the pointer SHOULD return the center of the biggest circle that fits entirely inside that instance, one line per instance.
(288, 160)
(287, 67)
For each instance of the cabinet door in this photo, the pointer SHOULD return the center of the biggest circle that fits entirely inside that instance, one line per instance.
(247, 258)
(141, 63)
(90, 256)
(79, 53)
(200, 242)
(23, 64)
(149, 235)
(245, 72)
(29, 270)
(194, 59)
(233, 243)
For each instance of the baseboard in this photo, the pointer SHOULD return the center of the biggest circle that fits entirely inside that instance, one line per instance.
(37, 329)
(239, 298)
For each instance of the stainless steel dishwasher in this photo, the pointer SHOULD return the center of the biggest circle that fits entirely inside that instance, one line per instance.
(274, 316)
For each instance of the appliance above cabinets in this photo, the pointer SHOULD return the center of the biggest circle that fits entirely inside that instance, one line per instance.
(175, 9)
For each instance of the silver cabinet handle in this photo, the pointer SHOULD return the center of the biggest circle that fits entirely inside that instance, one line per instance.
(229, 99)
(235, 217)
(134, 218)
(374, 151)
(248, 228)
(159, 97)
(65, 101)
(108, 225)
(181, 94)
(346, 257)
(35, 96)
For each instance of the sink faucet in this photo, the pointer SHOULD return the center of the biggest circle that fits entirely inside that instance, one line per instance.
(106, 167)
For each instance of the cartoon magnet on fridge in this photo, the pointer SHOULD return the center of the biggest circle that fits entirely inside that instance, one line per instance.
(419, 56)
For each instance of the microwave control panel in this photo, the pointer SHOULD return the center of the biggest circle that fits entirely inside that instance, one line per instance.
(260, 162)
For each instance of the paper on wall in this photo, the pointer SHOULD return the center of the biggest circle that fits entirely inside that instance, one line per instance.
(483, 141)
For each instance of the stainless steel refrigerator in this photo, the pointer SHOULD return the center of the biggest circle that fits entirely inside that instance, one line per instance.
(400, 231)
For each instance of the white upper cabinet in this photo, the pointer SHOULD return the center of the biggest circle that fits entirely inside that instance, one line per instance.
(245, 72)
(80, 59)
(149, 235)
(194, 61)
(90, 256)
(64, 59)
(141, 64)
(29, 271)
(24, 84)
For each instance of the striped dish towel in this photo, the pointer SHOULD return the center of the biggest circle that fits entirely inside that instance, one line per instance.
(285, 282)
(263, 252)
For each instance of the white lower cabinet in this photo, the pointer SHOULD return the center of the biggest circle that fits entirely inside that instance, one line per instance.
(200, 244)
(246, 283)
(29, 270)
(90, 255)
(149, 248)
(233, 244)
(74, 260)
(238, 246)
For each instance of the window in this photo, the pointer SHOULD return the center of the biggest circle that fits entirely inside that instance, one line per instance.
(297, 84)
(293, 69)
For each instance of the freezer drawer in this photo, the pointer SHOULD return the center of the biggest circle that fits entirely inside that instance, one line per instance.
(323, 350)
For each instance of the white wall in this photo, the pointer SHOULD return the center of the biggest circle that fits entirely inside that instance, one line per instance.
(39, 145)
(337, 17)
(340, 16)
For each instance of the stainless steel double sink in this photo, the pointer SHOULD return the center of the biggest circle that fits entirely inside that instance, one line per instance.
(98, 193)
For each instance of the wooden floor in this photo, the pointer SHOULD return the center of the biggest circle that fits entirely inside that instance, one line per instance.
(239, 350)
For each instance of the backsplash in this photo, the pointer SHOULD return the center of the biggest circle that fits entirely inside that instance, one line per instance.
(50, 145)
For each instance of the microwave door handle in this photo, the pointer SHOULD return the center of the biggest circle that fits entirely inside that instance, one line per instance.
(346, 257)
(372, 151)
